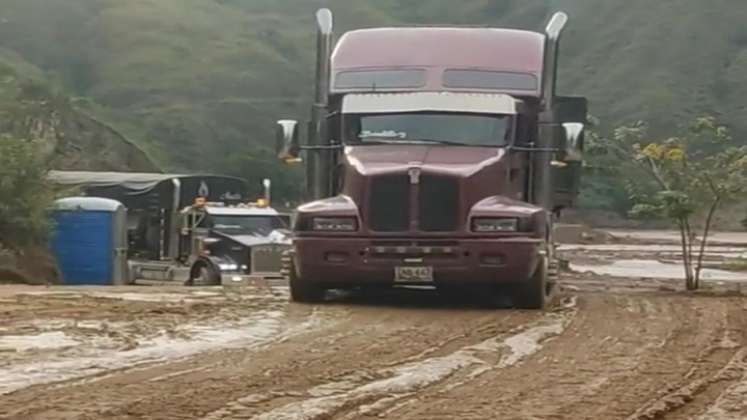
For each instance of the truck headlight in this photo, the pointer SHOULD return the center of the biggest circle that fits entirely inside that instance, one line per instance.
(495, 224)
(228, 267)
(335, 224)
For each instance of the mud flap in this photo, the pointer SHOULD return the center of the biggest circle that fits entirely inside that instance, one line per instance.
(537, 291)
(303, 291)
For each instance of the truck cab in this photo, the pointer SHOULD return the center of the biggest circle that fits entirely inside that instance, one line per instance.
(435, 156)
(239, 240)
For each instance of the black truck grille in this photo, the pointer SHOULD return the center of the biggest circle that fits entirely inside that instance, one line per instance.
(389, 203)
(439, 203)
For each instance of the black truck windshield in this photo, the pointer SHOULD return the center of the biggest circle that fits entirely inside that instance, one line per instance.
(429, 128)
(246, 225)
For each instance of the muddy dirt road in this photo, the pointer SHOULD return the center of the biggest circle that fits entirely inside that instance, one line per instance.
(627, 352)
(612, 348)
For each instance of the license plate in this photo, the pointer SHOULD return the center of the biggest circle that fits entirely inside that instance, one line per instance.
(413, 274)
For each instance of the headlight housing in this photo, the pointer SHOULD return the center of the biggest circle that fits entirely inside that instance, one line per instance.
(334, 224)
(228, 267)
(495, 224)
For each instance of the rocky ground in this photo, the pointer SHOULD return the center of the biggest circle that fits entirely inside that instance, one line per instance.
(622, 342)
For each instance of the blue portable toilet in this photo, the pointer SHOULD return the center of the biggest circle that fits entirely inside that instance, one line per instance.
(90, 241)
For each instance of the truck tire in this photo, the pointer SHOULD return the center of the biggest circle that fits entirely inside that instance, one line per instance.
(535, 292)
(303, 291)
(203, 274)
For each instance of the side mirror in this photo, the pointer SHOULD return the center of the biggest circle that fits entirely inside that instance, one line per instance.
(287, 143)
(572, 112)
(574, 146)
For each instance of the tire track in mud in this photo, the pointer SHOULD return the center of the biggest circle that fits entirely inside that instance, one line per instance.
(360, 338)
(714, 387)
(613, 355)
(732, 403)
(377, 392)
(619, 351)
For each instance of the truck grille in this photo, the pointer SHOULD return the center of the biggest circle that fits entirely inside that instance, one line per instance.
(439, 203)
(389, 203)
(267, 259)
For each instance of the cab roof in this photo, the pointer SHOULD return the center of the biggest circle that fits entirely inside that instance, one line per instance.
(435, 50)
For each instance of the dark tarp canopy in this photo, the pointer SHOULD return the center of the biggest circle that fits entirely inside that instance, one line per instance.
(132, 188)
(153, 201)
(134, 181)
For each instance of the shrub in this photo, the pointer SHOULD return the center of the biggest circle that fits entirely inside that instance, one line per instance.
(25, 195)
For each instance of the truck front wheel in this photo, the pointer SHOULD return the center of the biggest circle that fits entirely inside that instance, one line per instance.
(202, 274)
(535, 293)
(301, 290)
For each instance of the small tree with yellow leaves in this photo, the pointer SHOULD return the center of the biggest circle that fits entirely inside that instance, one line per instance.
(681, 178)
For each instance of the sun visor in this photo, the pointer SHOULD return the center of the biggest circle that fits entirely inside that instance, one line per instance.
(371, 103)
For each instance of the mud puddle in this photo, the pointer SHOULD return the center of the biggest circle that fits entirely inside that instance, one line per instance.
(674, 236)
(43, 341)
(90, 359)
(89, 332)
(721, 251)
(652, 269)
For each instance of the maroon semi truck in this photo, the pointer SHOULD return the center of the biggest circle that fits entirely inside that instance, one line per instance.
(435, 156)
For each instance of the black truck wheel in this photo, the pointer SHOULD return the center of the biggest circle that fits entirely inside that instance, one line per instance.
(535, 292)
(204, 275)
(303, 291)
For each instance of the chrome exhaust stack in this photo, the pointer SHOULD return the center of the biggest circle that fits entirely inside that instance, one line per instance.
(549, 127)
(324, 21)
(318, 170)
(553, 33)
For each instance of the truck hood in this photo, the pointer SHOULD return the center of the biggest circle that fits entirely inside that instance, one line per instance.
(458, 160)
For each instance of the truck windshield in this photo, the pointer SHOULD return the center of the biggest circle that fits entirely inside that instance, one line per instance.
(429, 128)
(246, 225)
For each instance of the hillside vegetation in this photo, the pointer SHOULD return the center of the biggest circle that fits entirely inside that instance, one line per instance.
(198, 84)
(66, 136)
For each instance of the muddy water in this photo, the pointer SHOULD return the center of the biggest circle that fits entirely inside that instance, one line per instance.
(92, 357)
(731, 251)
(674, 236)
(654, 270)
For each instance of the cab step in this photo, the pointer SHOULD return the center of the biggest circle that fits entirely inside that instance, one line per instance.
(157, 283)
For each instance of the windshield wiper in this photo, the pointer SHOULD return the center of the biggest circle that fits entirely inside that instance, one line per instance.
(379, 140)
(433, 141)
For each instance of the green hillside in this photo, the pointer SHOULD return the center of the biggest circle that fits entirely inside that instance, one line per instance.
(199, 83)
(33, 109)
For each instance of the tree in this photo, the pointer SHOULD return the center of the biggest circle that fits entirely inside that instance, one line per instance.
(684, 179)
(25, 196)
(601, 186)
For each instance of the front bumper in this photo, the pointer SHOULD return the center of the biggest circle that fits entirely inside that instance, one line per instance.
(250, 279)
(339, 262)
